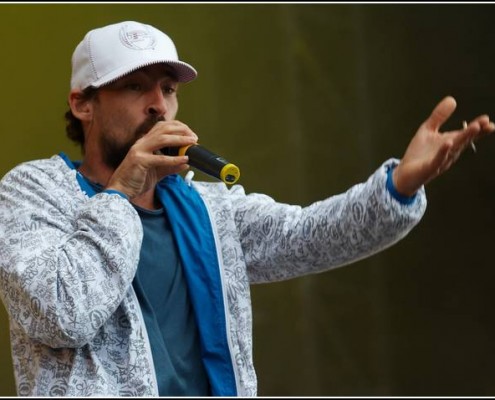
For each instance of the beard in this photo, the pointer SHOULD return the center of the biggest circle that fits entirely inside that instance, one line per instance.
(114, 152)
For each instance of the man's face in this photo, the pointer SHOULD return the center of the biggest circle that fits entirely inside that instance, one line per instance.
(128, 108)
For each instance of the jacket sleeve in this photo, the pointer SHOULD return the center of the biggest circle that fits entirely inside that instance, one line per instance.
(282, 241)
(66, 260)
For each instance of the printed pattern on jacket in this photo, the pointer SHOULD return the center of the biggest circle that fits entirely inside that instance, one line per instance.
(67, 262)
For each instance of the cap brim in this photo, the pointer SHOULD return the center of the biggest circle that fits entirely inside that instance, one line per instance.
(185, 72)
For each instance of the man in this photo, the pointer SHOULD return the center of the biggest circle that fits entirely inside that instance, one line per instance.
(120, 278)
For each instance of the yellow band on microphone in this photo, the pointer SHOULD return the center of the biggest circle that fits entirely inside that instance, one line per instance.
(183, 149)
(230, 174)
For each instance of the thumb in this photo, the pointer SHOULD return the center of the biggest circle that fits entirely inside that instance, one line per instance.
(441, 113)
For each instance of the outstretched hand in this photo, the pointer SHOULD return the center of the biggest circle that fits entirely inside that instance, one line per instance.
(430, 152)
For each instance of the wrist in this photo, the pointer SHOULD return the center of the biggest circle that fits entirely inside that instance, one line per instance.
(398, 181)
(403, 197)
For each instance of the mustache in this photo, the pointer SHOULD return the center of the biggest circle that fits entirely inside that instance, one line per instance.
(149, 123)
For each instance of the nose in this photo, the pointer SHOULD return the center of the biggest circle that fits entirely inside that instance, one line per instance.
(157, 105)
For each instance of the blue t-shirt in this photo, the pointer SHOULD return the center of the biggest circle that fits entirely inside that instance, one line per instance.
(162, 292)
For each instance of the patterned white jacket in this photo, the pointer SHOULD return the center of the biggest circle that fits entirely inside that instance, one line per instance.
(68, 257)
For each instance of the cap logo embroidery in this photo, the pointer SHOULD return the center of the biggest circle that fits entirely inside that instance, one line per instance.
(137, 38)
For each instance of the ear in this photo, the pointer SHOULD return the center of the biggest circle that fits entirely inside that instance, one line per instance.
(81, 108)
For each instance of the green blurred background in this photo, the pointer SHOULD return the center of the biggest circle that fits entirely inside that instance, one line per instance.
(309, 99)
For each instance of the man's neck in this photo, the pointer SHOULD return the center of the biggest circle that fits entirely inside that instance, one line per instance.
(100, 175)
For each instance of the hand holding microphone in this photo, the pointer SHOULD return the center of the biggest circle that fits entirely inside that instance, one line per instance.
(206, 161)
(141, 169)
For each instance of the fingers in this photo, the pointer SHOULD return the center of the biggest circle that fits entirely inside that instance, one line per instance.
(485, 125)
(459, 140)
(175, 127)
(172, 128)
(467, 134)
(478, 127)
(172, 165)
(167, 134)
(441, 113)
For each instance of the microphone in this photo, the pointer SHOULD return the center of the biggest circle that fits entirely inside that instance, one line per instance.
(207, 162)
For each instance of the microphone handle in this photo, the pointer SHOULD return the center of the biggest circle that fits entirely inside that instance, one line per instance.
(207, 162)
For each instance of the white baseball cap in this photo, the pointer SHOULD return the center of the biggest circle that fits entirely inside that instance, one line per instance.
(108, 53)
